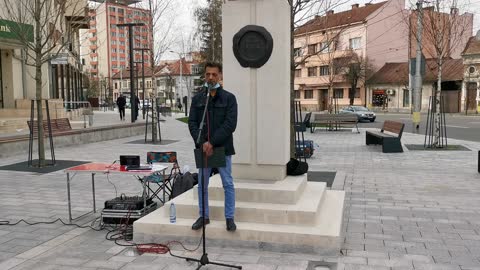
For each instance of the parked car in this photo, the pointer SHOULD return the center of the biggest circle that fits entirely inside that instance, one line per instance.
(147, 104)
(362, 112)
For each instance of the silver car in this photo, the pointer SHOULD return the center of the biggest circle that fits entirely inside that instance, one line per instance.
(362, 112)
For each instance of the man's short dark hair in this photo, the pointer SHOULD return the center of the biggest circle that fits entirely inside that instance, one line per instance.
(214, 65)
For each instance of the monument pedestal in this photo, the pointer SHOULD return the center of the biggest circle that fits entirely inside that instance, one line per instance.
(288, 215)
(273, 211)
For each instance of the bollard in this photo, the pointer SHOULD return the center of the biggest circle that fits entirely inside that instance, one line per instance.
(479, 161)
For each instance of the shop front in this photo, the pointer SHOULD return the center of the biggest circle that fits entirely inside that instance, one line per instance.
(12, 68)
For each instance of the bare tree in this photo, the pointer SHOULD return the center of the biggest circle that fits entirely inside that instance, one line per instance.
(357, 69)
(302, 11)
(51, 31)
(444, 36)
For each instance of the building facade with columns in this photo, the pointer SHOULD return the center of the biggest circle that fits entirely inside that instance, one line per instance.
(471, 73)
(17, 74)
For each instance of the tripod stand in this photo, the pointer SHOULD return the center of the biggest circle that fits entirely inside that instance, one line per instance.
(203, 162)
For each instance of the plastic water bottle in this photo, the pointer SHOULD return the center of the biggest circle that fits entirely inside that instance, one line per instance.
(173, 213)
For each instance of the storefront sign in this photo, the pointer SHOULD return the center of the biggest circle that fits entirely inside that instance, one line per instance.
(13, 30)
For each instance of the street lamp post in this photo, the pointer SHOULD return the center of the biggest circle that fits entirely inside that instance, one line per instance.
(130, 49)
(181, 81)
(143, 75)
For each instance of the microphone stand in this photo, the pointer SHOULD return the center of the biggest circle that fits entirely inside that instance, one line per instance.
(204, 259)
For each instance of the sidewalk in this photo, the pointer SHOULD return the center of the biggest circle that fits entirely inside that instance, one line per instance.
(414, 210)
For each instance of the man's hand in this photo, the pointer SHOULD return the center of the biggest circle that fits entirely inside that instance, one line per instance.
(208, 149)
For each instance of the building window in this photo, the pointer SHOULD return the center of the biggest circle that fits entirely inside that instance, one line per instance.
(312, 71)
(112, 9)
(312, 49)
(325, 47)
(196, 69)
(297, 52)
(298, 73)
(121, 11)
(308, 94)
(297, 93)
(406, 98)
(116, 85)
(471, 69)
(338, 92)
(355, 43)
(357, 92)
(324, 70)
(149, 84)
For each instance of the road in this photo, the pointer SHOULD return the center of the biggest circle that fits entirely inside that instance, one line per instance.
(459, 126)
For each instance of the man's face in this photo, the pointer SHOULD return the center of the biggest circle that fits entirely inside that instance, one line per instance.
(212, 75)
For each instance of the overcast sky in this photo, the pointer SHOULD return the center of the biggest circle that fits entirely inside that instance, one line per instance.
(185, 23)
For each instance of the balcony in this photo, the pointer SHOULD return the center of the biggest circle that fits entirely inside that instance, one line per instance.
(93, 39)
(76, 13)
(93, 47)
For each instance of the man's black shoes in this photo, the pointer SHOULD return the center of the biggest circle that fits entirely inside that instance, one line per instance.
(231, 225)
(199, 223)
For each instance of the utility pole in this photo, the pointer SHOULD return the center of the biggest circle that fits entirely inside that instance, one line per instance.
(417, 91)
(130, 49)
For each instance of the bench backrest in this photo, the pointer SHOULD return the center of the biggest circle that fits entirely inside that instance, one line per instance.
(393, 127)
(346, 117)
(57, 124)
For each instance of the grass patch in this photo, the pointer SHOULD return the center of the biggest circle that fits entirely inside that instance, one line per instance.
(450, 147)
(183, 119)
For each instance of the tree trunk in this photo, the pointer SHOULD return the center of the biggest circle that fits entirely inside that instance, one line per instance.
(38, 97)
(436, 112)
(38, 84)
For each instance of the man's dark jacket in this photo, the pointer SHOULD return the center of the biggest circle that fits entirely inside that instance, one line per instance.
(222, 119)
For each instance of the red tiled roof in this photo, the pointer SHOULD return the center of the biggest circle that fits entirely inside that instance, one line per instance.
(126, 72)
(472, 47)
(338, 19)
(397, 73)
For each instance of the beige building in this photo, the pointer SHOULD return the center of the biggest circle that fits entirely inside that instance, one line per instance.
(17, 76)
(388, 87)
(324, 45)
(471, 71)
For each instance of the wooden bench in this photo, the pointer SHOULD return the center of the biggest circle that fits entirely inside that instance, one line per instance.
(58, 125)
(390, 142)
(333, 119)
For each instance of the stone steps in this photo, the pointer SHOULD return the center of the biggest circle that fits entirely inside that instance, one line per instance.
(313, 220)
(302, 212)
(287, 191)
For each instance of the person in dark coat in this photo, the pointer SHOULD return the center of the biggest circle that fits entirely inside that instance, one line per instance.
(218, 132)
(136, 105)
(121, 102)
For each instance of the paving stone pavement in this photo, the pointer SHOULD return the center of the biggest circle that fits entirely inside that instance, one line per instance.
(411, 210)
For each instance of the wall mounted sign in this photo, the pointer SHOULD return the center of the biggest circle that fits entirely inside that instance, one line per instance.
(252, 46)
(13, 30)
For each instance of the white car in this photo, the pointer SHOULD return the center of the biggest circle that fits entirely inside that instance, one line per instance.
(362, 112)
(147, 104)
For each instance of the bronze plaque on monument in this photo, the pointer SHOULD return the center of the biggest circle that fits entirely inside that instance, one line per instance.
(252, 46)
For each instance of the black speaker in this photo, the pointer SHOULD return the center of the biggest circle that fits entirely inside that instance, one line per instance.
(130, 160)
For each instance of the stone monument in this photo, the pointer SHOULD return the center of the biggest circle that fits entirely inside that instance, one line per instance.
(272, 210)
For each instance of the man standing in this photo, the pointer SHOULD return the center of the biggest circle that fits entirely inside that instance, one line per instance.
(220, 123)
(121, 102)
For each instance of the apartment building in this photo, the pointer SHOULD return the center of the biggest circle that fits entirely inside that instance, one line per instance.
(325, 45)
(107, 48)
